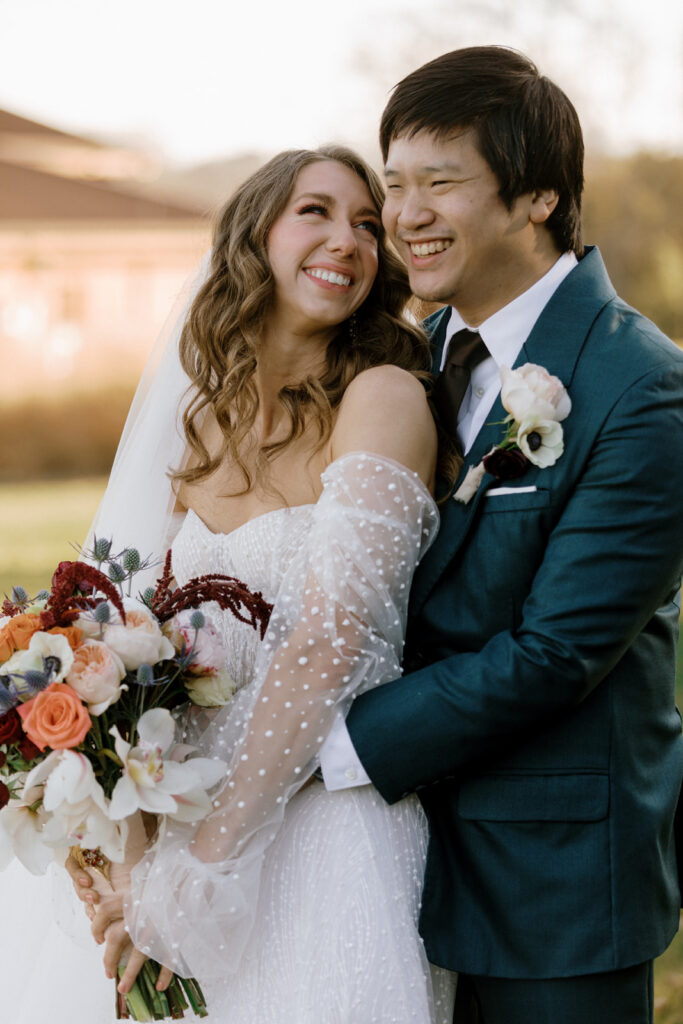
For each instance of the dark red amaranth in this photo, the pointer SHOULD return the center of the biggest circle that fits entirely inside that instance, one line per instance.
(67, 599)
(227, 591)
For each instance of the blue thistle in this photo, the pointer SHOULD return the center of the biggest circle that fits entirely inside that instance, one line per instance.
(117, 574)
(7, 700)
(19, 596)
(197, 620)
(102, 613)
(131, 560)
(145, 675)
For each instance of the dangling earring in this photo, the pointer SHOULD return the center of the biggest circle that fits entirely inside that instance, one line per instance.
(352, 324)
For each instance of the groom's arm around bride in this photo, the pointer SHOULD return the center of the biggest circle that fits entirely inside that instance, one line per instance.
(538, 723)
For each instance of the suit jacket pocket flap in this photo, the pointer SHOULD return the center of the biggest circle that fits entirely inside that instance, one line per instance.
(518, 797)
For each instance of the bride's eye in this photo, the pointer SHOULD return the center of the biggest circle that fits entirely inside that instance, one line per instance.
(313, 208)
(369, 225)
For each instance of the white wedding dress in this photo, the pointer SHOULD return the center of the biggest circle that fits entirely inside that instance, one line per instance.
(314, 921)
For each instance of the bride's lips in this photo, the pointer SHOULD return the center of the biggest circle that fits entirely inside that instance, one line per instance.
(329, 277)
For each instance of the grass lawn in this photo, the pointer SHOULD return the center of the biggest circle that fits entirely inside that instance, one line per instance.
(39, 522)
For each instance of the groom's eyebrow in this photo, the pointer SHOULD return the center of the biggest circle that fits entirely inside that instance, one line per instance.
(390, 172)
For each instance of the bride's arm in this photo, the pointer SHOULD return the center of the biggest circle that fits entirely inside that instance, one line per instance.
(311, 670)
(337, 627)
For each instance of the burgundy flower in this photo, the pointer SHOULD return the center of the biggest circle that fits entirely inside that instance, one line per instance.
(4, 795)
(506, 463)
(10, 727)
(28, 749)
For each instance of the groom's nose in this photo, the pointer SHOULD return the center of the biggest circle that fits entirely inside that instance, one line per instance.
(413, 211)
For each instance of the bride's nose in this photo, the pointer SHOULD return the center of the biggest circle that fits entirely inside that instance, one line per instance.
(342, 239)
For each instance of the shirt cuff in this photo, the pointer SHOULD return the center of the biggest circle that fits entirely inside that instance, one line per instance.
(340, 765)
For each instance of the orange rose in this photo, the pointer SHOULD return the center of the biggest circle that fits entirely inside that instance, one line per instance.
(16, 634)
(73, 634)
(56, 718)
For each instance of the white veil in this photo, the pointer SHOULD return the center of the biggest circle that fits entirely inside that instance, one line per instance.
(137, 509)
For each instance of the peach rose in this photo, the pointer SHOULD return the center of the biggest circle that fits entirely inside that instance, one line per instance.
(96, 675)
(56, 718)
(16, 634)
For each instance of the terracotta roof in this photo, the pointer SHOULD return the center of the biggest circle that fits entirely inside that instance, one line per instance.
(27, 194)
(13, 123)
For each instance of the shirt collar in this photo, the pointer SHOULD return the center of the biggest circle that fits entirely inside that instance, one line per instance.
(506, 330)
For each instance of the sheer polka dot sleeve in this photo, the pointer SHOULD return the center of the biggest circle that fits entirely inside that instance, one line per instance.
(337, 629)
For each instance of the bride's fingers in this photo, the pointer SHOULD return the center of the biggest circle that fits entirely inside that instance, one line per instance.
(109, 910)
(82, 881)
(118, 942)
(164, 980)
(135, 962)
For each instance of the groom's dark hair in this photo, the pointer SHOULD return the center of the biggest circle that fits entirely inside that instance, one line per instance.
(526, 128)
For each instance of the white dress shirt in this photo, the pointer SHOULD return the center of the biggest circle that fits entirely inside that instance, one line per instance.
(503, 333)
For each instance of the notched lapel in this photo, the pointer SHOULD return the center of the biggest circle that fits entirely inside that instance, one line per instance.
(456, 519)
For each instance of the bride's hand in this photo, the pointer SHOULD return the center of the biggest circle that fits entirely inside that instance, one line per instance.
(109, 926)
(83, 885)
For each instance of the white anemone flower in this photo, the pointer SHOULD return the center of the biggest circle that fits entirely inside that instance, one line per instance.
(157, 783)
(51, 648)
(77, 811)
(541, 441)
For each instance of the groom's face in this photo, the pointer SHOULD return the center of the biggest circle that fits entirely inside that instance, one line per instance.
(460, 242)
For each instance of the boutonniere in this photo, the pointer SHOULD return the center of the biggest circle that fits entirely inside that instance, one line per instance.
(536, 403)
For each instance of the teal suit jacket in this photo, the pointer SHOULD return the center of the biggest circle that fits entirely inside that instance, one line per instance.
(537, 719)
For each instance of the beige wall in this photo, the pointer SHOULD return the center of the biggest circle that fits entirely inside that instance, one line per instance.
(81, 307)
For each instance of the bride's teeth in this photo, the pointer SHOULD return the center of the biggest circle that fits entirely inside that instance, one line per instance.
(329, 275)
(428, 248)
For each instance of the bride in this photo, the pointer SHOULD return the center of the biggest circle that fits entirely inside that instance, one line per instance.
(304, 467)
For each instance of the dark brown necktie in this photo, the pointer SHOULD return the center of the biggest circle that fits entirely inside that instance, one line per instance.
(466, 351)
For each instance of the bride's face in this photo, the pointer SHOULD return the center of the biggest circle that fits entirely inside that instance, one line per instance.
(323, 248)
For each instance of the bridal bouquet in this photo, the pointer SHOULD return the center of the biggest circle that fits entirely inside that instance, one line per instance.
(90, 680)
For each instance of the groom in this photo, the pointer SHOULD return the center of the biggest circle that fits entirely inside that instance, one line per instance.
(536, 720)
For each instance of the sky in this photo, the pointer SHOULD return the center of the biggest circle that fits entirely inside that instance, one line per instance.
(216, 78)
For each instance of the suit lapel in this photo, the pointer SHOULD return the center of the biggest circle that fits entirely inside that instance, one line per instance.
(555, 342)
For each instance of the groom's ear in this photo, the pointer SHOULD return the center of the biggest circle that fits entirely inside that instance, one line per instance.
(543, 202)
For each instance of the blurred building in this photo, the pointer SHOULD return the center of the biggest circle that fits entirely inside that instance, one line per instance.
(90, 259)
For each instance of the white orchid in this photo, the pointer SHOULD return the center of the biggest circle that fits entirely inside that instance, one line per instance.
(21, 827)
(45, 649)
(78, 812)
(157, 783)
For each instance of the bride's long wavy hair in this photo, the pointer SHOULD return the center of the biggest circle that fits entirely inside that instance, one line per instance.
(221, 338)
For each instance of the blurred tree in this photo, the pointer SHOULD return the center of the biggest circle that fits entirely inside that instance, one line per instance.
(633, 209)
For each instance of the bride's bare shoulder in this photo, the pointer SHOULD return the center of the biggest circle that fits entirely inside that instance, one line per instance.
(385, 410)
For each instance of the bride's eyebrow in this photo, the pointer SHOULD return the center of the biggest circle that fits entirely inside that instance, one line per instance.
(323, 197)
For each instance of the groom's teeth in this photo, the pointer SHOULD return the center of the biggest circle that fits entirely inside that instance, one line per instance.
(329, 275)
(428, 248)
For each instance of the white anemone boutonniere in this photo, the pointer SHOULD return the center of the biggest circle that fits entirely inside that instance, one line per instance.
(536, 403)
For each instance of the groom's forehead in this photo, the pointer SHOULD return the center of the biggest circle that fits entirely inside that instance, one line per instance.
(430, 151)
